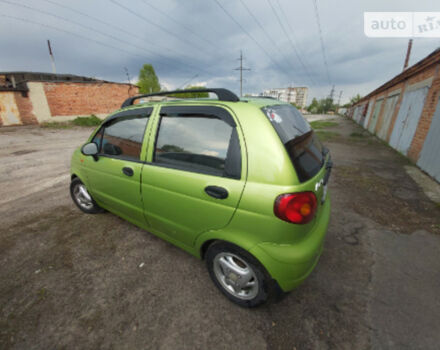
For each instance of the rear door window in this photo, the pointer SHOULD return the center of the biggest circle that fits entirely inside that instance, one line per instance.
(198, 139)
(305, 150)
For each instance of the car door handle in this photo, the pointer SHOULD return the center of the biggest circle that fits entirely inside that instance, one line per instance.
(128, 171)
(217, 192)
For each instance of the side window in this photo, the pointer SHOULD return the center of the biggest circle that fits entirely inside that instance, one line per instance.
(122, 137)
(202, 143)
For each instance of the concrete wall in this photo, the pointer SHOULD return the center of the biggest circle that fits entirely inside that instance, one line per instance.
(61, 101)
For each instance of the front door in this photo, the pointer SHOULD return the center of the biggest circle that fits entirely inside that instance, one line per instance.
(115, 176)
(193, 179)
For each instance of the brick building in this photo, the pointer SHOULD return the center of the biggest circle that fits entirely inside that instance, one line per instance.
(297, 95)
(405, 112)
(31, 98)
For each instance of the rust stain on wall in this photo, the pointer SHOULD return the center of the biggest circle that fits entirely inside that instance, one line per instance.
(9, 113)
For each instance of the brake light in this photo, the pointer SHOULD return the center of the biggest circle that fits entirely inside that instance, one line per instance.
(297, 208)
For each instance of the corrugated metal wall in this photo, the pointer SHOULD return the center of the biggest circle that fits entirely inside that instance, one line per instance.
(429, 159)
(408, 119)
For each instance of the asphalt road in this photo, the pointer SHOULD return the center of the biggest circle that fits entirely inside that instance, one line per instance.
(76, 281)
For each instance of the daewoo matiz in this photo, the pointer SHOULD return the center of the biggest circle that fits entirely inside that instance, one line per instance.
(241, 183)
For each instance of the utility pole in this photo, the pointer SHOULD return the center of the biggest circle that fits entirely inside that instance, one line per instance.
(127, 74)
(339, 98)
(408, 53)
(241, 69)
(129, 81)
(332, 92)
(52, 60)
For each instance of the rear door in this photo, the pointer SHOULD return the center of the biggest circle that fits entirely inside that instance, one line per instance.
(195, 172)
(114, 177)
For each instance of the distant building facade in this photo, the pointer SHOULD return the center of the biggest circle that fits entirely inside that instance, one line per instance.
(33, 98)
(405, 113)
(297, 95)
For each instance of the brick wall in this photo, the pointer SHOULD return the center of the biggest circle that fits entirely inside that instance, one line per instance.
(73, 99)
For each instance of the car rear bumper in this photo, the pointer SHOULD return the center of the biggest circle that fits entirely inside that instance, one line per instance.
(290, 264)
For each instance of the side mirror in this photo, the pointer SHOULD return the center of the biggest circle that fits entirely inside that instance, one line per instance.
(90, 149)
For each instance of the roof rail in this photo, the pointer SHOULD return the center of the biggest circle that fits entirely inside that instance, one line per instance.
(222, 94)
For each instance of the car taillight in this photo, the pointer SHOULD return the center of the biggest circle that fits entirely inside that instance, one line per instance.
(298, 208)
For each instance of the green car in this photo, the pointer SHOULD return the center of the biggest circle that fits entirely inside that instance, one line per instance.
(240, 183)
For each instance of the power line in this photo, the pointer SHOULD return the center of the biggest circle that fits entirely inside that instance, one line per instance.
(179, 23)
(155, 24)
(290, 41)
(324, 56)
(265, 32)
(111, 25)
(25, 20)
(249, 35)
(102, 33)
(295, 39)
(187, 82)
(77, 24)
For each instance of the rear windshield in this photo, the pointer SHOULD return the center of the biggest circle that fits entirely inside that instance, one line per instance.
(304, 148)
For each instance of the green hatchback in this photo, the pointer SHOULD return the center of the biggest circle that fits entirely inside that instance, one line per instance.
(240, 183)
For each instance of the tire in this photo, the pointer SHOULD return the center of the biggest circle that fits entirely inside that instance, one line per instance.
(82, 198)
(226, 262)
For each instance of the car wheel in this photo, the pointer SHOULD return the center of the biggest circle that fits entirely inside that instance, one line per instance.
(82, 198)
(238, 275)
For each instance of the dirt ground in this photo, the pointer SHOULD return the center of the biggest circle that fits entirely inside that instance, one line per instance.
(75, 281)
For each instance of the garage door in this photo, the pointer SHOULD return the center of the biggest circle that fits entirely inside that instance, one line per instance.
(429, 159)
(368, 115)
(388, 112)
(408, 119)
(376, 111)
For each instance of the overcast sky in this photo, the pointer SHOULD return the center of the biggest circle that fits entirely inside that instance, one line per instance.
(186, 38)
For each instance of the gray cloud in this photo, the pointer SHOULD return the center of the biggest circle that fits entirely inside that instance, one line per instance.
(204, 41)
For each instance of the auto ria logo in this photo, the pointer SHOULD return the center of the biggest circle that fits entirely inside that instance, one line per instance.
(402, 24)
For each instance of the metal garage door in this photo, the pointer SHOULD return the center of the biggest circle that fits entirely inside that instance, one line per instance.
(388, 112)
(408, 119)
(367, 117)
(356, 114)
(429, 159)
(375, 115)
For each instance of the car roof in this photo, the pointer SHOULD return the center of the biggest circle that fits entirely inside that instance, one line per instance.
(258, 102)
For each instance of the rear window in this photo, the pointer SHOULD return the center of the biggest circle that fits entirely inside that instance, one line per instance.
(304, 148)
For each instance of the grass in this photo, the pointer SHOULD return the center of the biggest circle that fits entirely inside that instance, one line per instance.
(91, 120)
(358, 134)
(320, 124)
(327, 135)
(56, 125)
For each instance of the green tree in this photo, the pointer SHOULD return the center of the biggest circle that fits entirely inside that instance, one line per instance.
(355, 99)
(191, 94)
(322, 106)
(148, 80)
(314, 106)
